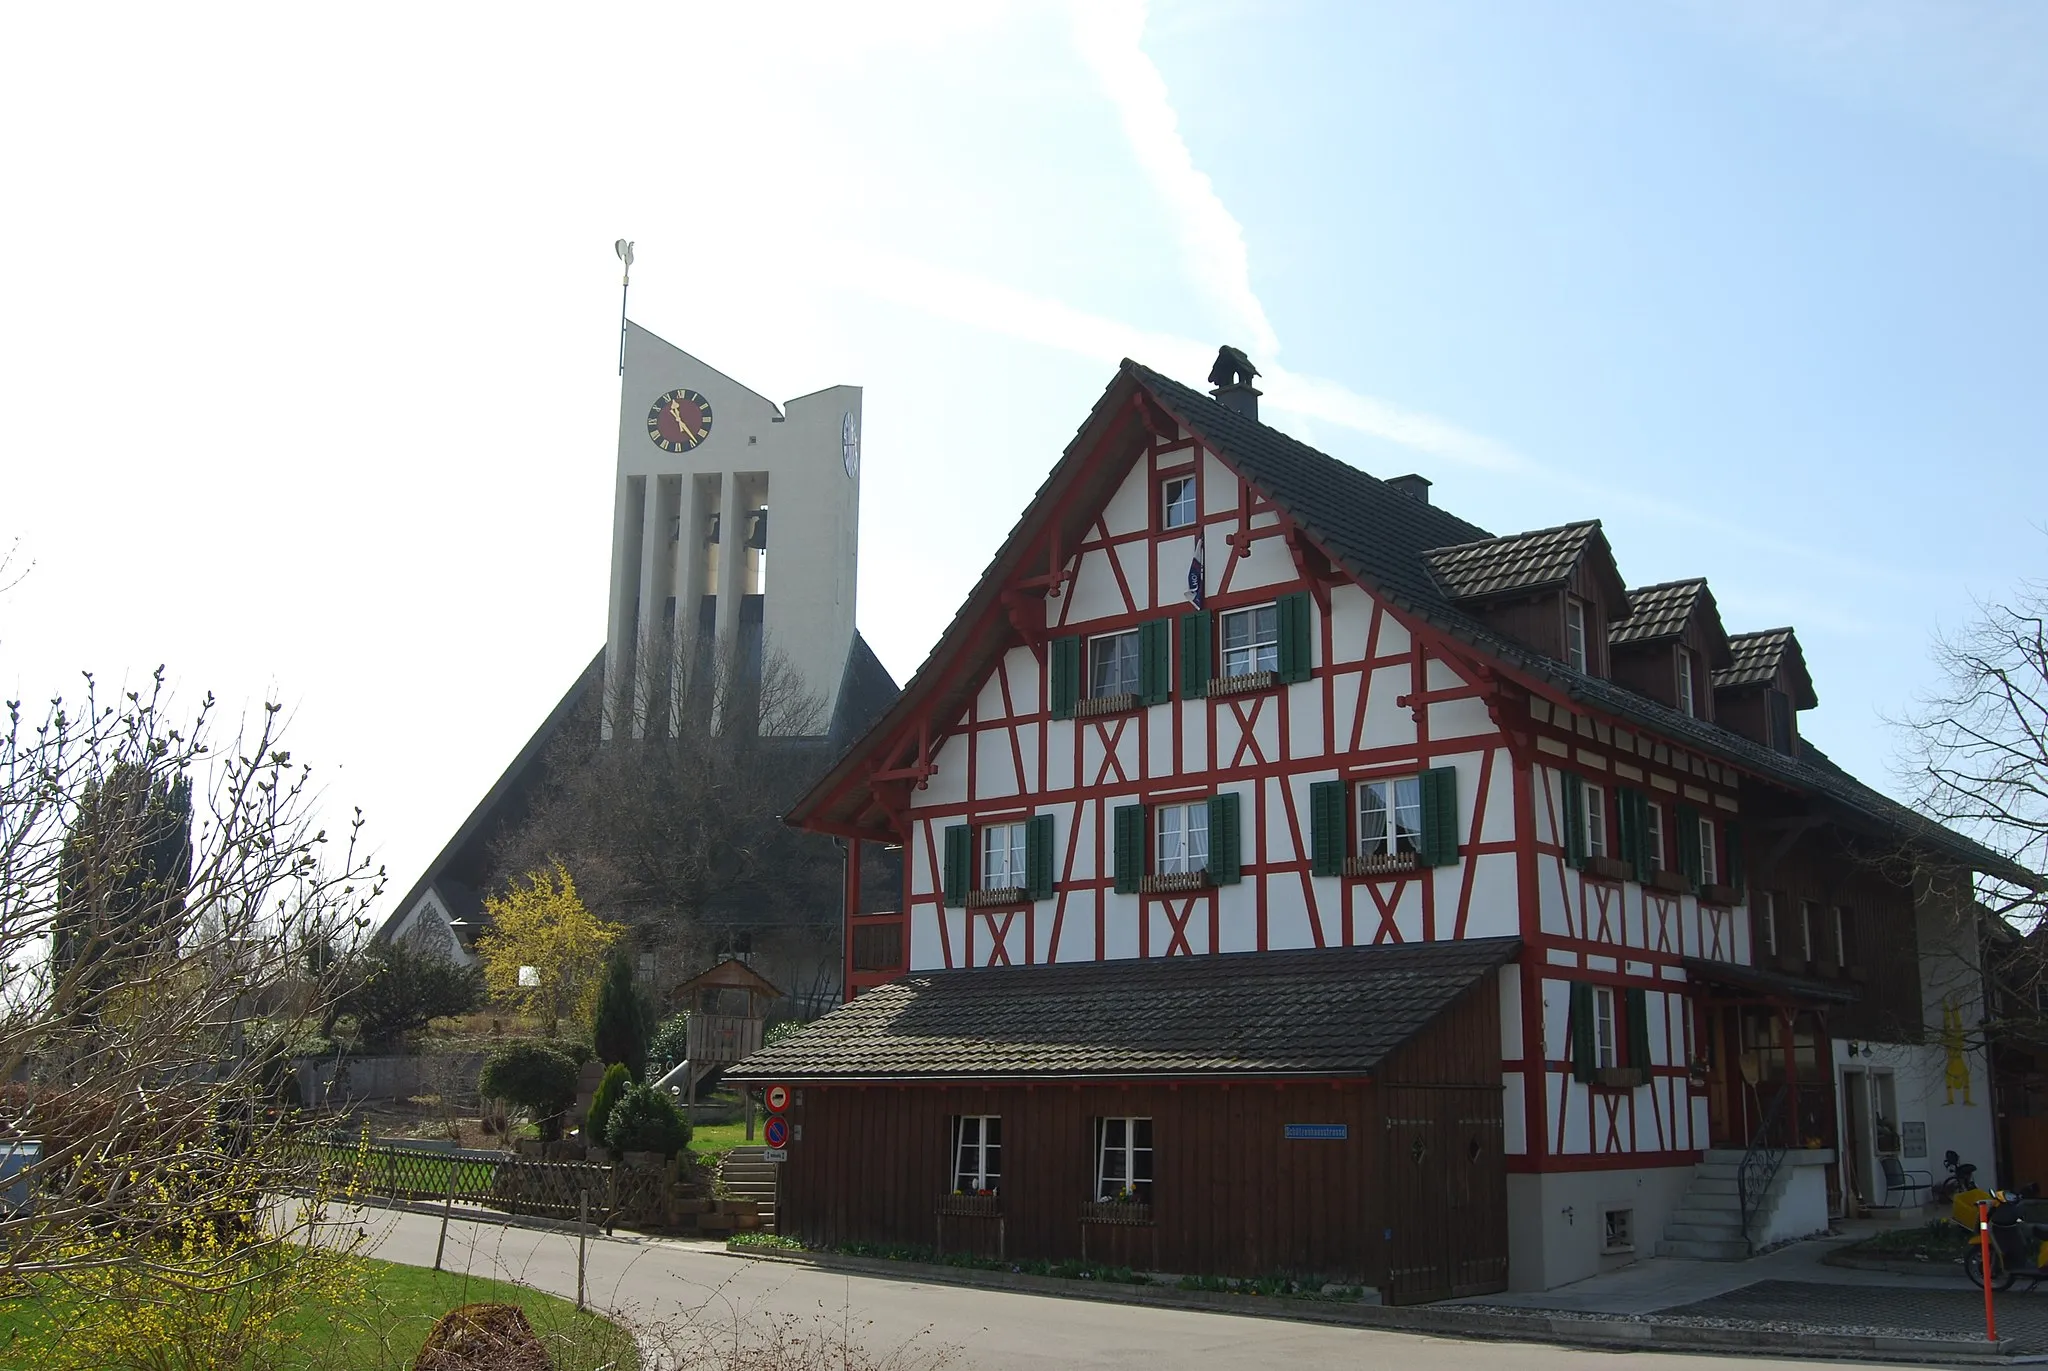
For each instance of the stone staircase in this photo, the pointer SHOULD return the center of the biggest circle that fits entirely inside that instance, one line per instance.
(1708, 1220)
(746, 1177)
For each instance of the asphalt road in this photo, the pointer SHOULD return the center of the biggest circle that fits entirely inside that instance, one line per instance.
(963, 1329)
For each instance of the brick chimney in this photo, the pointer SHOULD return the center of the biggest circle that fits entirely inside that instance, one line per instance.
(1232, 378)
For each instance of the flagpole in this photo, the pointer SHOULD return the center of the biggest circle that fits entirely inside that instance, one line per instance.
(625, 251)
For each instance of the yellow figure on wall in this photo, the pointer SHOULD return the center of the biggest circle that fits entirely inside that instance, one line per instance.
(1958, 1074)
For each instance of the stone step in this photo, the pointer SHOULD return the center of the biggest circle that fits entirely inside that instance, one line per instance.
(1712, 1199)
(1680, 1231)
(1715, 1185)
(1701, 1250)
(1715, 1171)
(1691, 1213)
(752, 1173)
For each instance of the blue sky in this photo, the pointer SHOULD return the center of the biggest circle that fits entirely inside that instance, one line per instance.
(309, 323)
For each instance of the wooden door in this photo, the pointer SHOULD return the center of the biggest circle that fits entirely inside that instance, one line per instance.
(1446, 1193)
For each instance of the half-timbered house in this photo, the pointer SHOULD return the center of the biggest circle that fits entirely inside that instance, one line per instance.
(1229, 725)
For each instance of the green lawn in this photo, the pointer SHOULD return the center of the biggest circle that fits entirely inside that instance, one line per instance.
(717, 1139)
(381, 1333)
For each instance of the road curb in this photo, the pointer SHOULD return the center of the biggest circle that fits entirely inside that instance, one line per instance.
(1616, 1334)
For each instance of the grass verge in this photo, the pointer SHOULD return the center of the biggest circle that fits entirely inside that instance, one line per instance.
(382, 1332)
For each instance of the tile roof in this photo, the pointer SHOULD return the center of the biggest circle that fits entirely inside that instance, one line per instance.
(1377, 534)
(1660, 611)
(1322, 1012)
(1770, 982)
(1757, 657)
(1537, 560)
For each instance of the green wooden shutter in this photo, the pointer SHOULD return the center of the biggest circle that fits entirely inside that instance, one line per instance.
(1635, 823)
(1688, 820)
(1065, 672)
(959, 863)
(1638, 1030)
(1326, 827)
(1194, 655)
(1226, 855)
(1440, 816)
(1731, 840)
(1574, 820)
(1294, 619)
(1129, 835)
(1155, 661)
(1038, 857)
(1585, 1064)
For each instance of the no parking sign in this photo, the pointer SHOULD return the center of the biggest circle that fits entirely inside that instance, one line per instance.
(776, 1133)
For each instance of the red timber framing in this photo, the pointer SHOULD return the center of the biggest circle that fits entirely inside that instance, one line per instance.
(973, 740)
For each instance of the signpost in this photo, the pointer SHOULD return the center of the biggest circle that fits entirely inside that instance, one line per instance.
(776, 1133)
(778, 1098)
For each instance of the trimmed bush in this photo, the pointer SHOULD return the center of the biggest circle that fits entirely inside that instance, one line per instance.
(615, 1082)
(646, 1120)
(533, 1076)
(575, 1049)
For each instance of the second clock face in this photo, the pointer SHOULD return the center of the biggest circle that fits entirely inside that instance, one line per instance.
(679, 421)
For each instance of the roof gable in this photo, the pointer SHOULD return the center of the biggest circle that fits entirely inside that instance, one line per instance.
(1523, 563)
(1661, 612)
(1761, 658)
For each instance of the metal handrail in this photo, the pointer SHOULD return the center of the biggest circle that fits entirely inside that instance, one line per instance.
(1759, 1167)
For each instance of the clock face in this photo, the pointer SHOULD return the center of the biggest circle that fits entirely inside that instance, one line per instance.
(849, 444)
(679, 421)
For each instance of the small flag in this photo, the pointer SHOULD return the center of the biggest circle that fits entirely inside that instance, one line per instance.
(1197, 574)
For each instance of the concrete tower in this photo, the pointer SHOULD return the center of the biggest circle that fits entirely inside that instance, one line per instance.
(736, 523)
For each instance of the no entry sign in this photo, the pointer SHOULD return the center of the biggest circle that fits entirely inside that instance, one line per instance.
(778, 1098)
(776, 1133)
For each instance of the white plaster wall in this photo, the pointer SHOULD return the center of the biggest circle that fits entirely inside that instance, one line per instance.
(1554, 1223)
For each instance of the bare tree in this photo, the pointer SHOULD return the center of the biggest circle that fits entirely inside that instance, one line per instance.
(667, 805)
(1977, 754)
(138, 1073)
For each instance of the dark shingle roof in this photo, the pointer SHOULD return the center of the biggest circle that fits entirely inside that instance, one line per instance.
(1377, 534)
(1539, 560)
(1322, 1012)
(1755, 659)
(1660, 611)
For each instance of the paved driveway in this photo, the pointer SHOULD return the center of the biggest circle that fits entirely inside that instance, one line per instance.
(986, 1330)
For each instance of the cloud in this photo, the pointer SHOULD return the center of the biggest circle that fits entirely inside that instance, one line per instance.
(1108, 34)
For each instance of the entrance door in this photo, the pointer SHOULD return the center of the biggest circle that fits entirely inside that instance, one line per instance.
(1446, 1192)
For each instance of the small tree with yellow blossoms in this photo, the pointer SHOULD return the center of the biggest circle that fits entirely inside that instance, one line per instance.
(541, 923)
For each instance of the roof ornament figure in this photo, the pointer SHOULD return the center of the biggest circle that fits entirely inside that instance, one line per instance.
(1232, 368)
(1232, 376)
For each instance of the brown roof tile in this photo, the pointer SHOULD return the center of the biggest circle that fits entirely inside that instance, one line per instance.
(1321, 1012)
(1536, 560)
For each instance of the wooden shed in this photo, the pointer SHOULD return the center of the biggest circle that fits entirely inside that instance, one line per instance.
(1333, 1113)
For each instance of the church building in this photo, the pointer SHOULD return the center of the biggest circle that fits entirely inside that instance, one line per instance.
(713, 480)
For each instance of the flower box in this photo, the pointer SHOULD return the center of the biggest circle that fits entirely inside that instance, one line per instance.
(1379, 864)
(1092, 706)
(1176, 883)
(1621, 1077)
(1009, 894)
(1720, 894)
(1116, 1211)
(971, 1206)
(1673, 882)
(1244, 683)
(1608, 869)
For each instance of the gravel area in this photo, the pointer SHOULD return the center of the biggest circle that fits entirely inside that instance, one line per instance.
(1849, 1310)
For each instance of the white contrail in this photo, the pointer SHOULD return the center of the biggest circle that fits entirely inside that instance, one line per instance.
(1108, 34)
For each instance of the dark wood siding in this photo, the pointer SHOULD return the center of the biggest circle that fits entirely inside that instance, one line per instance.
(1882, 934)
(1537, 622)
(1232, 1194)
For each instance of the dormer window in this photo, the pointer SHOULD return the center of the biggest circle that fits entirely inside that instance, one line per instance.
(1575, 633)
(1688, 700)
(1780, 706)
